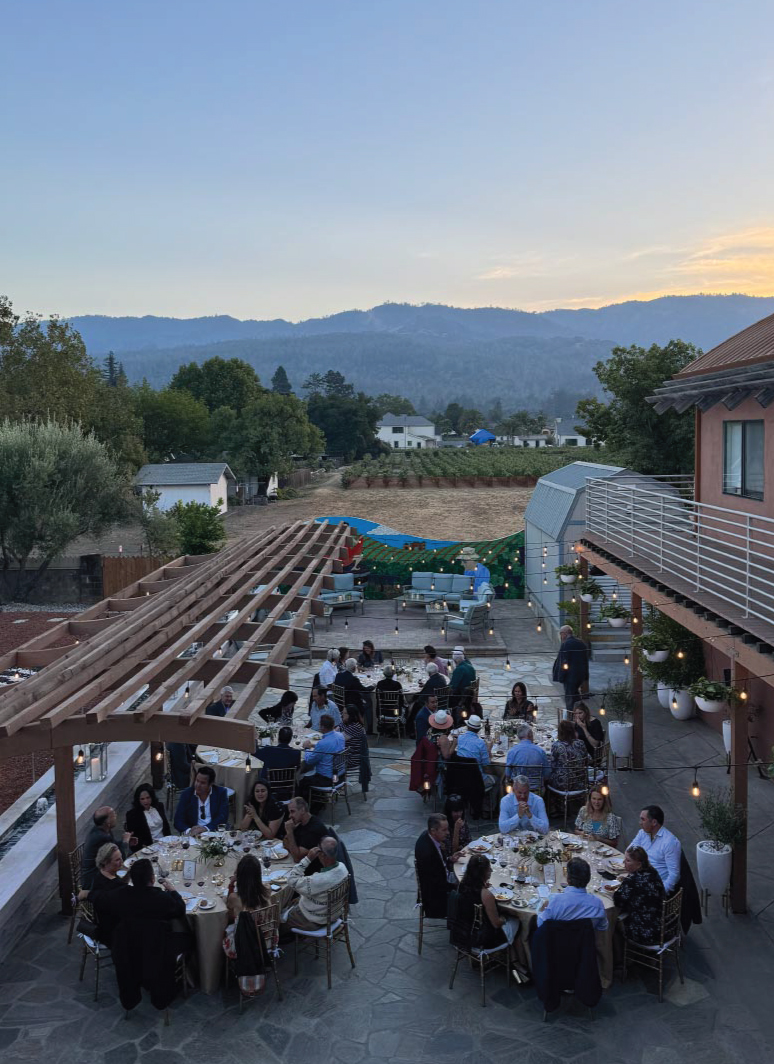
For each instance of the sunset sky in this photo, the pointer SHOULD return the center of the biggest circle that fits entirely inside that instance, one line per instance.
(300, 158)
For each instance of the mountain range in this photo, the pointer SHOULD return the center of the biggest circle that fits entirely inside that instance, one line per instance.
(471, 354)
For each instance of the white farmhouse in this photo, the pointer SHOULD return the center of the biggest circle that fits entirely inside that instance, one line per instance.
(404, 431)
(184, 482)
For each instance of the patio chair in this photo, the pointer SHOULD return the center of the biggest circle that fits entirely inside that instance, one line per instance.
(443, 694)
(92, 947)
(339, 695)
(336, 928)
(326, 796)
(484, 958)
(534, 774)
(598, 766)
(472, 618)
(390, 714)
(667, 945)
(422, 917)
(283, 782)
(266, 922)
(577, 784)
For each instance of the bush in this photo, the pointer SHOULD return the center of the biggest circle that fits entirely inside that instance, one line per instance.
(201, 527)
(722, 821)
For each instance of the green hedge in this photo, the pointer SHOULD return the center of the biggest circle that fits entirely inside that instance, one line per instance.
(466, 462)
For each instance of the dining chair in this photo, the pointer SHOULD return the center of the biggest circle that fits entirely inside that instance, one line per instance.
(92, 947)
(668, 943)
(267, 921)
(498, 956)
(577, 785)
(75, 860)
(326, 796)
(335, 929)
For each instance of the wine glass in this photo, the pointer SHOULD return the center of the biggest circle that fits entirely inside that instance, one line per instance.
(186, 842)
(266, 860)
(200, 883)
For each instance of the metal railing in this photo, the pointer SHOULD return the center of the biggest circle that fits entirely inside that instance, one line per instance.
(726, 553)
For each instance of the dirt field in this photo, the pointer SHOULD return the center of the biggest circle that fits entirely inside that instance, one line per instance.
(438, 513)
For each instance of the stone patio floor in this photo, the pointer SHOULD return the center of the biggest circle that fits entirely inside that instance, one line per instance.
(396, 1006)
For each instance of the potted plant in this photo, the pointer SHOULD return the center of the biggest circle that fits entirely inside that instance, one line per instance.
(723, 824)
(617, 702)
(711, 696)
(652, 647)
(568, 574)
(615, 614)
(589, 590)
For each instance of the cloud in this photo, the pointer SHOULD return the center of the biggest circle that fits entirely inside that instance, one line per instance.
(741, 261)
(528, 265)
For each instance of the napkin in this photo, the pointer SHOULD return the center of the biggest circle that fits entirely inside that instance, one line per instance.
(211, 756)
(185, 894)
(190, 906)
(231, 761)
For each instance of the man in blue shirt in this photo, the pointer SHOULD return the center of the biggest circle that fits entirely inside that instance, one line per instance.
(575, 903)
(322, 704)
(318, 760)
(522, 810)
(662, 847)
(526, 755)
(470, 744)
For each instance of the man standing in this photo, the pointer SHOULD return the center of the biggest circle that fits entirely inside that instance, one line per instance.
(662, 847)
(522, 810)
(221, 708)
(575, 903)
(203, 807)
(104, 820)
(310, 911)
(321, 703)
(436, 879)
(431, 654)
(329, 668)
(571, 668)
(318, 760)
(463, 675)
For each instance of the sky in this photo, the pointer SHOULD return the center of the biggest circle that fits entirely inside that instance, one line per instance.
(296, 159)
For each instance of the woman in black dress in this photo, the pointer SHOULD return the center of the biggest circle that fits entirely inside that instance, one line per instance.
(282, 713)
(518, 706)
(640, 897)
(587, 728)
(262, 813)
(146, 820)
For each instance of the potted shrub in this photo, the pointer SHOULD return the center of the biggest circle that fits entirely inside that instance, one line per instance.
(590, 590)
(652, 647)
(617, 700)
(711, 696)
(615, 614)
(568, 574)
(723, 824)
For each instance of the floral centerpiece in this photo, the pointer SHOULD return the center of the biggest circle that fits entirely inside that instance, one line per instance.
(543, 854)
(214, 850)
(509, 727)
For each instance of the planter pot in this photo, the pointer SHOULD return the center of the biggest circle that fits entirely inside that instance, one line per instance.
(727, 736)
(656, 655)
(587, 598)
(620, 735)
(714, 867)
(617, 622)
(707, 706)
(568, 579)
(684, 701)
(662, 692)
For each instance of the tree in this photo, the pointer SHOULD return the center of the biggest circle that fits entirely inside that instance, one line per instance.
(331, 383)
(219, 382)
(160, 528)
(268, 434)
(470, 421)
(174, 422)
(627, 424)
(56, 483)
(393, 404)
(110, 370)
(280, 382)
(522, 423)
(201, 527)
(348, 424)
(496, 412)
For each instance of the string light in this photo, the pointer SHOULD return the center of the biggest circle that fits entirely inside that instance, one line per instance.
(627, 659)
(588, 625)
(604, 790)
(565, 666)
(248, 763)
(674, 700)
(396, 629)
(346, 626)
(187, 691)
(573, 600)
(159, 755)
(743, 695)
(79, 758)
(545, 579)
(16, 677)
(529, 603)
(540, 626)
(507, 663)
(602, 710)
(491, 630)
(695, 790)
(680, 654)
(509, 788)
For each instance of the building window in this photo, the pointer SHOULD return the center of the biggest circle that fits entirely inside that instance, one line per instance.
(743, 458)
(396, 428)
(396, 443)
(418, 444)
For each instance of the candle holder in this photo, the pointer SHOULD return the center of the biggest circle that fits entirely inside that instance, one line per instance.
(97, 763)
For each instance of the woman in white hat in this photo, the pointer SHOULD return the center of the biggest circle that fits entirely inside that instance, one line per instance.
(440, 724)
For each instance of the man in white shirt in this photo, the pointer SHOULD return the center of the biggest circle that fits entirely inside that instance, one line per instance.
(522, 810)
(662, 847)
(329, 669)
(311, 910)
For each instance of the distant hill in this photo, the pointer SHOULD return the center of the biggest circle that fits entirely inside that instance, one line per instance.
(415, 350)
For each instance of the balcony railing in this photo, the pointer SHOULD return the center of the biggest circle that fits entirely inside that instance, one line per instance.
(709, 549)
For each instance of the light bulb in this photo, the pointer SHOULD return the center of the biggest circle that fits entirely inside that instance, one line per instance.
(674, 702)
(506, 584)
(509, 789)
(635, 620)
(695, 790)
(604, 790)
(491, 630)
(79, 759)
(529, 603)
(540, 626)
(346, 626)
(573, 600)
(565, 666)
(159, 755)
(187, 690)
(545, 579)
(588, 625)
(396, 629)
(626, 659)
(743, 696)
(615, 595)
(248, 763)
(508, 664)
(426, 784)
(602, 710)
(16, 677)
(680, 654)
(404, 604)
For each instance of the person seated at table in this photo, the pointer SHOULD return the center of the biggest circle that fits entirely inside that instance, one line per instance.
(470, 744)
(282, 713)
(597, 818)
(662, 847)
(354, 737)
(109, 860)
(525, 754)
(389, 683)
(262, 813)
(587, 728)
(280, 756)
(146, 820)
(435, 874)
(575, 903)
(566, 751)
(145, 901)
(223, 705)
(322, 703)
(439, 724)
(369, 656)
(317, 764)
(495, 929)
(463, 675)
(355, 693)
(329, 668)
(431, 685)
(431, 655)
(641, 897)
(518, 706)
(103, 821)
(422, 719)
(247, 894)
(203, 806)
(310, 911)
(459, 832)
(521, 810)
(303, 831)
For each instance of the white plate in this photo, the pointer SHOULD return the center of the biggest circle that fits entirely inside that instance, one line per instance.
(149, 849)
(503, 894)
(279, 854)
(610, 886)
(479, 846)
(186, 895)
(206, 905)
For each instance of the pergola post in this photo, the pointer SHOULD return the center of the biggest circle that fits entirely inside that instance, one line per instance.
(739, 747)
(638, 735)
(64, 790)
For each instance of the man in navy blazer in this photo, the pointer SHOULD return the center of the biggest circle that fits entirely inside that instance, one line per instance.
(202, 807)
(280, 756)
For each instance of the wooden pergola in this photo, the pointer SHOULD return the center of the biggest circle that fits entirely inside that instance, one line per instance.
(124, 670)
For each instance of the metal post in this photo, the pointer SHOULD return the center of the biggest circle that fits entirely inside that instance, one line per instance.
(747, 567)
(638, 761)
(64, 789)
(739, 746)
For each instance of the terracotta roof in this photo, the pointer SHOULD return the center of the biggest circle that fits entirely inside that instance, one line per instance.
(752, 345)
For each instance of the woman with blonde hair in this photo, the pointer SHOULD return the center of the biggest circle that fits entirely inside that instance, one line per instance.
(597, 818)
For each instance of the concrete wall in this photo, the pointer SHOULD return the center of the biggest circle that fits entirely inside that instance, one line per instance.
(709, 458)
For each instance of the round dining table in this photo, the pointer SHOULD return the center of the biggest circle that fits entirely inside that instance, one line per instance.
(516, 879)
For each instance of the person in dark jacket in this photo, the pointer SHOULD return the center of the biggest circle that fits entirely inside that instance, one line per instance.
(436, 879)
(369, 656)
(104, 820)
(223, 705)
(283, 711)
(571, 668)
(202, 807)
(641, 896)
(180, 757)
(355, 692)
(283, 755)
(146, 820)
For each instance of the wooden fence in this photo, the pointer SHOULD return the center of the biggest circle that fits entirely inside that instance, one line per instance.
(118, 572)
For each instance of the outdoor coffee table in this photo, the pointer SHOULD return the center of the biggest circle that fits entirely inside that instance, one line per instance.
(416, 598)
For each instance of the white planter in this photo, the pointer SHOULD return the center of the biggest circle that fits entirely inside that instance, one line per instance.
(684, 699)
(663, 692)
(620, 735)
(567, 579)
(617, 622)
(587, 598)
(656, 655)
(727, 736)
(707, 706)
(714, 868)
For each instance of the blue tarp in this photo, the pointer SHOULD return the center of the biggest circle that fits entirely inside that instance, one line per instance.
(385, 535)
(482, 436)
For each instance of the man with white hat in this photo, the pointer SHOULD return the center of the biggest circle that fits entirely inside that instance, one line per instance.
(440, 723)
(463, 675)
(470, 744)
